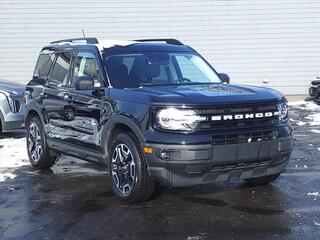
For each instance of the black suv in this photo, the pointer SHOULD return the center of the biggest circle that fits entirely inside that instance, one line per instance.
(152, 111)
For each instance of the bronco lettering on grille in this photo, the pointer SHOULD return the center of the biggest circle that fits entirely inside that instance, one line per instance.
(244, 116)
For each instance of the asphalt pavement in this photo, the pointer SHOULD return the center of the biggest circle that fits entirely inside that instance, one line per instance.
(74, 200)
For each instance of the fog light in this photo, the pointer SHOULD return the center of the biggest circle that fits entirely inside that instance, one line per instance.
(165, 155)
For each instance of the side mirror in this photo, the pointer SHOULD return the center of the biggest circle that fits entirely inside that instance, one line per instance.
(84, 83)
(38, 80)
(225, 78)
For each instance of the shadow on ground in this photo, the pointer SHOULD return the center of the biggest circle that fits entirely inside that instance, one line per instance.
(13, 134)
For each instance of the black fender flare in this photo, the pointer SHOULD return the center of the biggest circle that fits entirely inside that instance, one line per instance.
(33, 106)
(1, 120)
(112, 122)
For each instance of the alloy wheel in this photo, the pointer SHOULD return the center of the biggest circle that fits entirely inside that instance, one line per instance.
(34, 142)
(123, 169)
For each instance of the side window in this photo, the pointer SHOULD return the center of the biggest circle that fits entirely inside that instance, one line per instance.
(86, 65)
(190, 70)
(44, 64)
(61, 68)
(128, 61)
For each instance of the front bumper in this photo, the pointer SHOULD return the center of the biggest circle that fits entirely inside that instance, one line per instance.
(186, 165)
(11, 121)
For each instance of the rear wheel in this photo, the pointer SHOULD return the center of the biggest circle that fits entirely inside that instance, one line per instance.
(128, 172)
(39, 153)
(262, 180)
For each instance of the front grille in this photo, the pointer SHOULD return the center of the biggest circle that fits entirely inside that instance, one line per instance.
(245, 165)
(313, 91)
(209, 112)
(16, 105)
(246, 137)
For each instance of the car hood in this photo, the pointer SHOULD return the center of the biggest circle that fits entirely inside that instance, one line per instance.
(15, 88)
(204, 94)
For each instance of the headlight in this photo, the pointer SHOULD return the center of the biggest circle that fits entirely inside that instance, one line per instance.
(12, 100)
(283, 111)
(177, 119)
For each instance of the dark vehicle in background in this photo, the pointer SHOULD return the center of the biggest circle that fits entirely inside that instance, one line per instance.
(314, 90)
(12, 107)
(153, 112)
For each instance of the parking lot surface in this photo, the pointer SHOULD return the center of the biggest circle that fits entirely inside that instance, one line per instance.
(75, 201)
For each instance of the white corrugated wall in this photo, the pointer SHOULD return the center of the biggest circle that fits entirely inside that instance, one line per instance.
(252, 41)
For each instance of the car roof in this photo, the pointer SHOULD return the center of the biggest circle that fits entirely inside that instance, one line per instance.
(155, 45)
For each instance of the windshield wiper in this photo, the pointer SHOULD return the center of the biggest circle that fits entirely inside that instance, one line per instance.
(154, 84)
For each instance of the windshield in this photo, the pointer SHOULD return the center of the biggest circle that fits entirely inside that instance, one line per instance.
(158, 68)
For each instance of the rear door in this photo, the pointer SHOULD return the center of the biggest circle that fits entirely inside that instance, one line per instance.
(53, 94)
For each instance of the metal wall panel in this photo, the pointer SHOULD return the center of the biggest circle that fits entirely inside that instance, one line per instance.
(252, 41)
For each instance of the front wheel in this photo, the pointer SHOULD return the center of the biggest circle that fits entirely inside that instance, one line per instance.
(39, 153)
(262, 180)
(128, 172)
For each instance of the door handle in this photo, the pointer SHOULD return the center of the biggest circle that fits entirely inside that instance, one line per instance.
(43, 95)
(67, 98)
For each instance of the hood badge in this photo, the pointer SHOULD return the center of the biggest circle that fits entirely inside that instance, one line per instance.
(244, 116)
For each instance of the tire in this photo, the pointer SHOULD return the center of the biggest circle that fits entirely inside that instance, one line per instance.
(39, 153)
(128, 172)
(262, 180)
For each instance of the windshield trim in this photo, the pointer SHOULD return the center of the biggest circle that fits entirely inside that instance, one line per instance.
(176, 84)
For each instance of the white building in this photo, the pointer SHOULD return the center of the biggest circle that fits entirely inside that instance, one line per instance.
(252, 41)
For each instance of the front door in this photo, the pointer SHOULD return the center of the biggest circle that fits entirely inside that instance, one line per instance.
(81, 109)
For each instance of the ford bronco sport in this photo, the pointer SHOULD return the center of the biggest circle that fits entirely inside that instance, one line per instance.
(152, 111)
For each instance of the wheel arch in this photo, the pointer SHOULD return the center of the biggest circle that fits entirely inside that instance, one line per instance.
(1, 120)
(33, 113)
(118, 124)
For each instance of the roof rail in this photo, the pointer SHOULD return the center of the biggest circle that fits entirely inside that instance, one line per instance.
(167, 40)
(88, 40)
